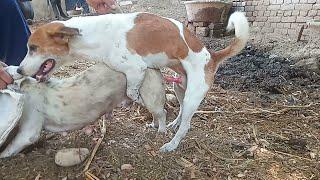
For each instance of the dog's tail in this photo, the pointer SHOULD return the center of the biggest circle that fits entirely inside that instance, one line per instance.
(239, 23)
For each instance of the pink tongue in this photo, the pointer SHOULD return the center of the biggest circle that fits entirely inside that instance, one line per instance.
(47, 67)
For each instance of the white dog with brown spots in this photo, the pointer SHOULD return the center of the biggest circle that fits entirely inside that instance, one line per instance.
(130, 43)
(72, 103)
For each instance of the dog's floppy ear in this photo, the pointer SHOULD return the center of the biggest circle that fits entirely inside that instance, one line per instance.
(61, 33)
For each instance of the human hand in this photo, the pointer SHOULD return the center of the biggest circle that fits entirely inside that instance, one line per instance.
(103, 6)
(5, 78)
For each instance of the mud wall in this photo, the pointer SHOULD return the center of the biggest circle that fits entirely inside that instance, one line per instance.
(279, 17)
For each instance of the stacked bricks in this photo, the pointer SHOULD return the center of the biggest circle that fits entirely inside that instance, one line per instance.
(284, 17)
(207, 29)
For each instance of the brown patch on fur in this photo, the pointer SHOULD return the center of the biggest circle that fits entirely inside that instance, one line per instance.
(153, 34)
(193, 42)
(52, 39)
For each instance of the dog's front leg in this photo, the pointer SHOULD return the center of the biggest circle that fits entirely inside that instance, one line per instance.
(29, 132)
(135, 69)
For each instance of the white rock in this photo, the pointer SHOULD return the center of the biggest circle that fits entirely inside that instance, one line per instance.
(71, 156)
(171, 98)
(125, 3)
(126, 167)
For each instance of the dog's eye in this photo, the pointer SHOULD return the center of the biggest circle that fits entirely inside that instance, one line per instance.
(33, 48)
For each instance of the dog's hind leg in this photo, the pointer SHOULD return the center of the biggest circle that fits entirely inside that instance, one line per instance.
(153, 93)
(29, 132)
(195, 93)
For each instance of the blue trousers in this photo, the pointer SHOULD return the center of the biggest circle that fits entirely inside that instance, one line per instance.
(14, 33)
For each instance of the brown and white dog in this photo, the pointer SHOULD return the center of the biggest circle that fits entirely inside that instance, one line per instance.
(130, 43)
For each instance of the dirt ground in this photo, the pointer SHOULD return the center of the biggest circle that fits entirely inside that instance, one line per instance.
(259, 121)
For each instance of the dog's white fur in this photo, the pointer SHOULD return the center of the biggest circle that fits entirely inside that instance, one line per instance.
(103, 38)
(70, 104)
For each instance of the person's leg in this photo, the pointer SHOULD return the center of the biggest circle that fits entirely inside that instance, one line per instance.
(84, 5)
(70, 4)
(14, 33)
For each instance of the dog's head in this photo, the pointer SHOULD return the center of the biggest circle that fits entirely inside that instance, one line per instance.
(48, 48)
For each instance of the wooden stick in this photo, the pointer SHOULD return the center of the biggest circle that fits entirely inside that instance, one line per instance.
(217, 156)
(291, 155)
(103, 132)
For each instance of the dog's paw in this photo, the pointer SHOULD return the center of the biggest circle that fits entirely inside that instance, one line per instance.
(152, 125)
(168, 147)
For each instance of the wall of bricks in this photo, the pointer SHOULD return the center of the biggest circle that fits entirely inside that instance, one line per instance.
(284, 17)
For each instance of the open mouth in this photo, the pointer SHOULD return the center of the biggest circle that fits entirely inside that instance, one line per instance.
(44, 70)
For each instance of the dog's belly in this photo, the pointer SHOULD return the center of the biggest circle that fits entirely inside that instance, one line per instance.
(78, 116)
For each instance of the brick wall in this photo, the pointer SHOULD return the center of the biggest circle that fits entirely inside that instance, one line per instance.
(284, 17)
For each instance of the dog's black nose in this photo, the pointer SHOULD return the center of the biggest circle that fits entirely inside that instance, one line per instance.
(20, 71)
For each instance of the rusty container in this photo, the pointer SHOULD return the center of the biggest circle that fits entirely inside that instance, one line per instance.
(207, 11)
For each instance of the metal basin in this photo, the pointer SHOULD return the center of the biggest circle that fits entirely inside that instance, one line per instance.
(207, 11)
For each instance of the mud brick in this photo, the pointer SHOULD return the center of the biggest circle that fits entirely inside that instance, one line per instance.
(273, 13)
(287, 7)
(303, 19)
(318, 13)
(287, 13)
(288, 19)
(260, 8)
(255, 13)
(312, 1)
(267, 13)
(260, 13)
(191, 27)
(266, 2)
(249, 14)
(279, 25)
(202, 31)
(287, 25)
(280, 13)
(216, 26)
(303, 1)
(251, 19)
(249, 3)
(287, 1)
(295, 1)
(254, 3)
(267, 24)
(312, 13)
(303, 13)
(274, 19)
(274, 7)
(255, 24)
(273, 25)
(249, 8)
(267, 30)
(316, 6)
(295, 12)
(200, 24)
(216, 33)
(261, 19)
(305, 7)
